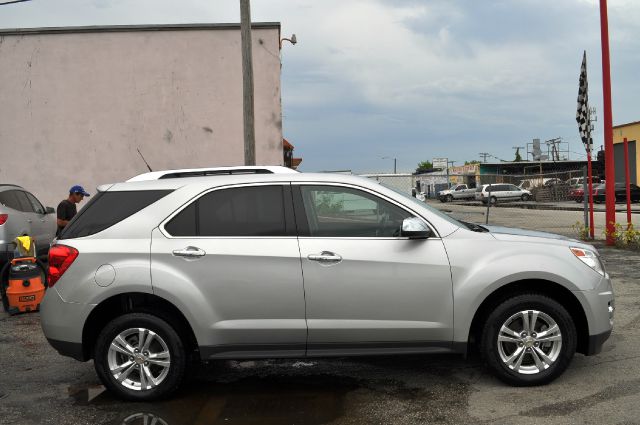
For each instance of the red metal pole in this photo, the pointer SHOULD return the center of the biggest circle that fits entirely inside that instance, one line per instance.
(610, 179)
(627, 179)
(590, 177)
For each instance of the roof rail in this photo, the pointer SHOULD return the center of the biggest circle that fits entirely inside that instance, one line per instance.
(11, 184)
(214, 171)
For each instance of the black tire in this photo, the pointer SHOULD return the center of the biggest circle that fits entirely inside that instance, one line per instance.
(489, 340)
(449, 198)
(493, 200)
(578, 200)
(178, 365)
(525, 197)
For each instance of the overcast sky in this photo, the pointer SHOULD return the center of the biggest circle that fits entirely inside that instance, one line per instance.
(412, 79)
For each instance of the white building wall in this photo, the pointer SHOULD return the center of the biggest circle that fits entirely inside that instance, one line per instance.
(77, 103)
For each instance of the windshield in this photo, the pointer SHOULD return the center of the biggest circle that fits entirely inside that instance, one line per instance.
(424, 205)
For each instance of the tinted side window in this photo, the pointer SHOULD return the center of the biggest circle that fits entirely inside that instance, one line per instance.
(25, 205)
(37, 206)
(242, 211)
(346, 212)
(8, 198)
(107, 209)
(184, 223)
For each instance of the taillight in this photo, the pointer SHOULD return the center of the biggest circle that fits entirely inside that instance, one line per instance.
(60, 258)
(3, 218)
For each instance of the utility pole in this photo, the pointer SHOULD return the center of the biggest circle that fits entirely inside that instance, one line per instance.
(247, 84)
(609, 163)
(484, 156)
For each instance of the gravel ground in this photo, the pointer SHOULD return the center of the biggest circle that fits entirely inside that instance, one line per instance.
(37, 386)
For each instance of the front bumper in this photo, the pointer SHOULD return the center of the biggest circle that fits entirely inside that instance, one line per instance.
(596, 342)
(599, 306)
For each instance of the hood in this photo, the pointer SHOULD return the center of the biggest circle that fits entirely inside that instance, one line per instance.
(498, 231)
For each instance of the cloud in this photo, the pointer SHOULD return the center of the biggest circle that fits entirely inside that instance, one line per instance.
(412, 78)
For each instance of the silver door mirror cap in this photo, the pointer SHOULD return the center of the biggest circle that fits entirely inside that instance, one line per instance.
(415, 228)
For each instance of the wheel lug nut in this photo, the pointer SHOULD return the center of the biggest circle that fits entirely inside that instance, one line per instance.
(534, 335)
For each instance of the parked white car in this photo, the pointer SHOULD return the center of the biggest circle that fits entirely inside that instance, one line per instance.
(501, 192)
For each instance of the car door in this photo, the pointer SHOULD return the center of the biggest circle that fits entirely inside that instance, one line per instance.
(30, 216)
(236, 249)
(496, 191)
(366, 287)
(43, 225)
(17, 223)
(514, 191)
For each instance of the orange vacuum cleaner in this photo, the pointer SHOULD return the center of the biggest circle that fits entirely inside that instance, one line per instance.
(21, 281)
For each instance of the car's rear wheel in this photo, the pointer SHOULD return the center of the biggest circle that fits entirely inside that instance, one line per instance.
(528, 340)
(140, 357)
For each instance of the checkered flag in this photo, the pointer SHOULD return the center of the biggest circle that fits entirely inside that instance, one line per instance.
(583, 115)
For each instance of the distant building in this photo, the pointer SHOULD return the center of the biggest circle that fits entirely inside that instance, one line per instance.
(77, 102)
(632, 132)
(289, 160)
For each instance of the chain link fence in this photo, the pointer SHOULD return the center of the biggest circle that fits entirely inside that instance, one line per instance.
(554, 201)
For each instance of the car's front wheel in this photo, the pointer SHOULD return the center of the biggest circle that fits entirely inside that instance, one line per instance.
(140, 357)
(449, 198)
(525, 197)
(528, 340)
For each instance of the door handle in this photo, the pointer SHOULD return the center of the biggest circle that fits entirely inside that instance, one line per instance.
(325, 257)
(29, 220)
(189, 252)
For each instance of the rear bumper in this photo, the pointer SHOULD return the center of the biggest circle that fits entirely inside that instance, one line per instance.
(63, 322)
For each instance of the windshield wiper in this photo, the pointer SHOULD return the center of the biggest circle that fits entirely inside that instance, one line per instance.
(474, 227)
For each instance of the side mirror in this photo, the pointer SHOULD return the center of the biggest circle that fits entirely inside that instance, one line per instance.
(49, 210)
(415, 228)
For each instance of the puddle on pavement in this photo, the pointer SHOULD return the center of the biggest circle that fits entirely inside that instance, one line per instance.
(254, 400)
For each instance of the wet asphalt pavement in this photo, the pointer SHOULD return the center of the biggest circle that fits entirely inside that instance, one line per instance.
(37, 386)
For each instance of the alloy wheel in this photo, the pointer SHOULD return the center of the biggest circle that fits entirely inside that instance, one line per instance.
(139, 359)
(529, 342)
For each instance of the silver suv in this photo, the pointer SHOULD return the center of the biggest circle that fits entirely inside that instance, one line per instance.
(21, 214)
(152, 276)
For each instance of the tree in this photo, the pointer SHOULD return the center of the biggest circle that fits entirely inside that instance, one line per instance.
(424, 166)
(518, 157)
(471, 162)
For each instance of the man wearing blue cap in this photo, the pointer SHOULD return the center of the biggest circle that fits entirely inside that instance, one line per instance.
(67, 208)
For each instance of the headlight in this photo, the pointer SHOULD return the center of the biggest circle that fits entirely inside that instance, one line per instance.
(590, 258)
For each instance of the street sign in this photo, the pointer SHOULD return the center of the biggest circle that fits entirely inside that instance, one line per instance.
(440, 163)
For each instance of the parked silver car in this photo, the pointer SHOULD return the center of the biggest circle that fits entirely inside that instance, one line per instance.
(21, 214)
(154, 275)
